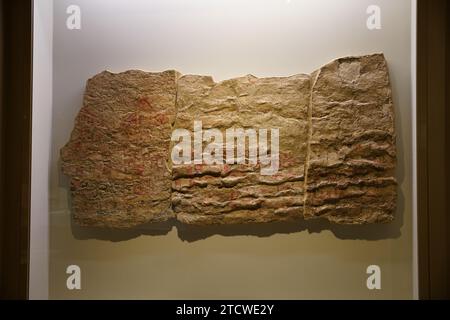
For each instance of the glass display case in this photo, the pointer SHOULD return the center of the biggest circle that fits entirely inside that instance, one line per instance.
(138, 190)
(103, 233)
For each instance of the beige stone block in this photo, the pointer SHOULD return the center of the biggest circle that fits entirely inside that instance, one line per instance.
(352, 153)
(231, 194)
(117, 157)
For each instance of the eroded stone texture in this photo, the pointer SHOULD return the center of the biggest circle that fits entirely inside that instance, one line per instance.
(117, 157)
(230, 194)
(337, 148)
(351, 168)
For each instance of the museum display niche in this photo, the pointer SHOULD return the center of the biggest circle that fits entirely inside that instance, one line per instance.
(433, 26)
(245, 242)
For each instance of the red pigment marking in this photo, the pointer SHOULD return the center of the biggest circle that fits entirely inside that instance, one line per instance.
(234, 195)
(162, 119)
(76, 183)
(132, 119)
(144, 102)
(287, 160)
(198, 168)
(138, 190)
(140, 170)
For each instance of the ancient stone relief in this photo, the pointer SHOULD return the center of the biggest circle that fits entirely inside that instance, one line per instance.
(149, 147)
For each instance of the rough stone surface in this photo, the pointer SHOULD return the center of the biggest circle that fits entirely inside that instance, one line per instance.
(222, 194)
(337, 148)
(352, 154)
(117, 157)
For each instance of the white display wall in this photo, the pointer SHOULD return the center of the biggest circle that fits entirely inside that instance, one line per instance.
(224, 39)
